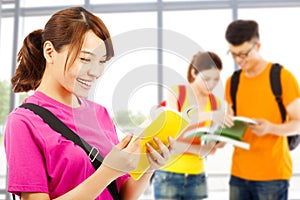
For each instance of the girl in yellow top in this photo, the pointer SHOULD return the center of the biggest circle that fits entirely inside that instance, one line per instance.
(183, 177)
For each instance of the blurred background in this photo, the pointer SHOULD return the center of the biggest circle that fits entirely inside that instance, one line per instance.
(201, 23)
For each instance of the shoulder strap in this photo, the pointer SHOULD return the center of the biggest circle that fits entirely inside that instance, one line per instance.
(276, 88)
(293, 140)
(213, 101)
(57, 125)
(180, 100)
(181, 96)
(235, 78)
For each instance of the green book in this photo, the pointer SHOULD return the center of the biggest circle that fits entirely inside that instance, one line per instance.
(232, 135)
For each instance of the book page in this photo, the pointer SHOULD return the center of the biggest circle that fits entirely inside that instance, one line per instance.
(220, 138)
(244, 119)
(197, 130)
(190, 132)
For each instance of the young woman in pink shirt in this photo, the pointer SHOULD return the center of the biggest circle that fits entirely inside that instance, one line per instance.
(60, 63)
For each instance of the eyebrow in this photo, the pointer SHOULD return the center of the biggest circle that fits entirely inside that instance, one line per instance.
(90, 53)
(240, 52)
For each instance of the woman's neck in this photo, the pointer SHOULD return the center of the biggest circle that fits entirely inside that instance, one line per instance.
(52, 88)
(60, 95)
(200, 96)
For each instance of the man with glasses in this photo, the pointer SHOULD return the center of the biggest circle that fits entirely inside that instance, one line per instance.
(263, 172)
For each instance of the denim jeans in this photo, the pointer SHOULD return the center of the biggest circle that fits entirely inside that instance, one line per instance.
(171, 186)
(241, 189)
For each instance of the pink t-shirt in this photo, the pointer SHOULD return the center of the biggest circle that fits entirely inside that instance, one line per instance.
(42, 160)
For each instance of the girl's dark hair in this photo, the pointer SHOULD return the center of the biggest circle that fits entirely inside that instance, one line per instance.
(240, 31)
(66, 27)
(203, 61)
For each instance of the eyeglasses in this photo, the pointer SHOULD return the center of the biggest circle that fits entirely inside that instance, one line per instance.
(241, 55)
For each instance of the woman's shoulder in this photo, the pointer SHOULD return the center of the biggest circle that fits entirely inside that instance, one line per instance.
(91, 107)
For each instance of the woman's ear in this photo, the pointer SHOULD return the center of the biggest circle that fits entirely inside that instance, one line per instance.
(48, 50)
(258, 45)
(193, 73)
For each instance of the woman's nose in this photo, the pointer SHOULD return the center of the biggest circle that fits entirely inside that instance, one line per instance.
(96, 70)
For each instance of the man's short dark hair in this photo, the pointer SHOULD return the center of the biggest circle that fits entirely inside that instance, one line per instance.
(240, 31)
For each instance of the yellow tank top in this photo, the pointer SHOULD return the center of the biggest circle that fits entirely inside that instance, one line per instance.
(187, 163)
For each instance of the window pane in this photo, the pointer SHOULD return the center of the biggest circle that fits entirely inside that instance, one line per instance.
(208, 2)
(6, 41)
(119, 1)
(280, 40)
(29, 24)
(132, 73)
(34, 3)
(118, 23)
(206, 28)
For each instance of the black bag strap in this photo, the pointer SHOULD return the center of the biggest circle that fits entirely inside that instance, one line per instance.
(235, 78)
(293, 140)
(275, 85)
(276, 88)
(57, 125)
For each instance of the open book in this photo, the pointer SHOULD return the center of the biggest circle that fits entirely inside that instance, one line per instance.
(166, 122)
(232, 135)
(169, 122)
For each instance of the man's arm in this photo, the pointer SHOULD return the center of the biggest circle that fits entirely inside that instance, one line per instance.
(291, 127)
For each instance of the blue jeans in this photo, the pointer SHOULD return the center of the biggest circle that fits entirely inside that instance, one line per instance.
(258, 190)
(169, 186)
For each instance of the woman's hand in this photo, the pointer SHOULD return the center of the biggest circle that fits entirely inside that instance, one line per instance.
(158, 158)
(179, 147)
(217, 117)
(124, 157)
(227, 121)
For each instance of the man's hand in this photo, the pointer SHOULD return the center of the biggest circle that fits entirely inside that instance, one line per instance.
(261, 128)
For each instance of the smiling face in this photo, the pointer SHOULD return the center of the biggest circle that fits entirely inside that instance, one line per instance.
(73, 78)
(89, 65)
(245, 54)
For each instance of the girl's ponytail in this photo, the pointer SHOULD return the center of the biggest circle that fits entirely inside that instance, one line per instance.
(31, 63)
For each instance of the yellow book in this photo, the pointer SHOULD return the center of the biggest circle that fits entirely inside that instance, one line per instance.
(168, 122)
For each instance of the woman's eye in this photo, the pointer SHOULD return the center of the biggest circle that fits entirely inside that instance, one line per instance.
(206, 79)
(85, 59)
(102, 61)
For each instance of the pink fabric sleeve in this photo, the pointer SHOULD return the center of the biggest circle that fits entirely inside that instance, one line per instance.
(23, 151)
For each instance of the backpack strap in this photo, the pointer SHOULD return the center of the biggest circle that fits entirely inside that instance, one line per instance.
(180, 100)
(235, 78)
(181, 96)
(275, 85)
(293, 140)
(213, 101)
(276, 88)
(60, 127)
